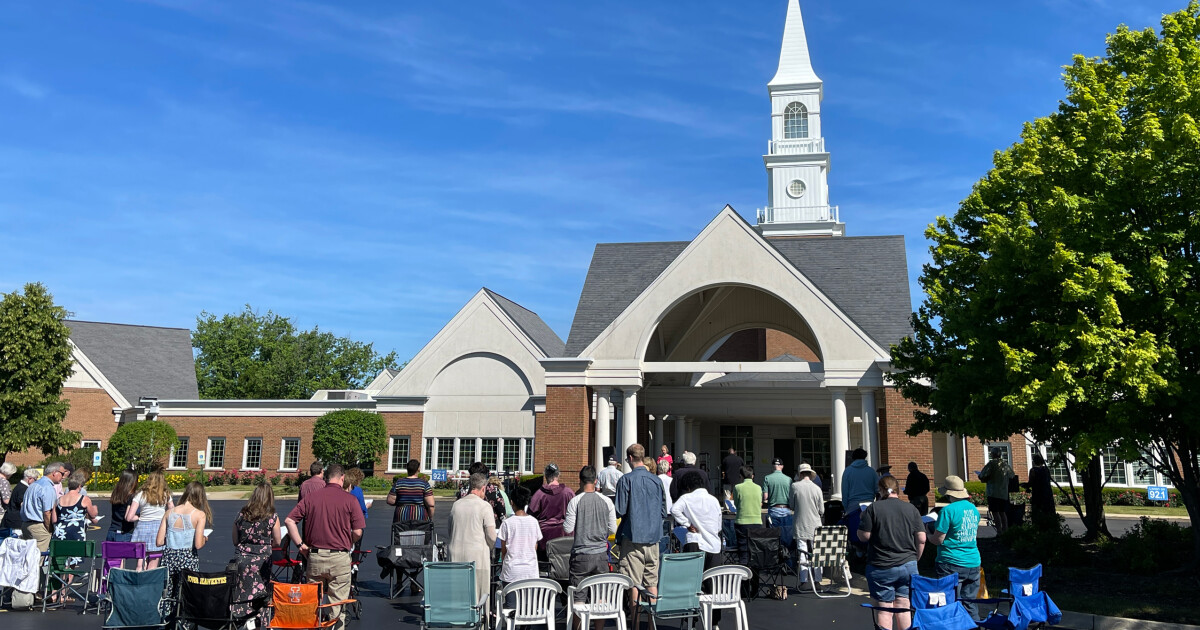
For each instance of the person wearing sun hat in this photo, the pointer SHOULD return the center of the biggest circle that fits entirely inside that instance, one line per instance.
(954, 536)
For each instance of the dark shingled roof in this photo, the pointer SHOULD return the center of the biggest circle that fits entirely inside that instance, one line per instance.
(140, 360)
(865, 276)
(531, 324)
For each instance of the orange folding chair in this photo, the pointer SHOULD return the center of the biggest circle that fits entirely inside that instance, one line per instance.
(299, 607)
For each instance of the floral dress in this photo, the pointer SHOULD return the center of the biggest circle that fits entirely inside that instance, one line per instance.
(71, 525)
(254, 556)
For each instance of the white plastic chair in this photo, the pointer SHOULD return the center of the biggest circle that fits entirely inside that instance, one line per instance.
(605, 598)
(726, 594)
(534, 605)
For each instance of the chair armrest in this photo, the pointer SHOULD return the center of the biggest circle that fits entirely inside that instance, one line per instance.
(992, 600)
(338, 603)
(482, 601)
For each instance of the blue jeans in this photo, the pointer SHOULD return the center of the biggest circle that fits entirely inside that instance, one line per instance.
(783, 519)
(888, 584)
(968, 583)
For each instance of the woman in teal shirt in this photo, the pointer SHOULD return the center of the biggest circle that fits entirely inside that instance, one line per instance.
(954, 536)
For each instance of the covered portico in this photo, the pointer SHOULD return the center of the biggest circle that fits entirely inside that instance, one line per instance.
(674, 367)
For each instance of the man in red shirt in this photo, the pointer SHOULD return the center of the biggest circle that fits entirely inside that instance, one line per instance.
(314, 482)
(333, 521)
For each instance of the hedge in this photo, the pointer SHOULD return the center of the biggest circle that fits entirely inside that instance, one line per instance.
(1111, 496)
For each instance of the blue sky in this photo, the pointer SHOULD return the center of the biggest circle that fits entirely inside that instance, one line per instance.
(368, 166)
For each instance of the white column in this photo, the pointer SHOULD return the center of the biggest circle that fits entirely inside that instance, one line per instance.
(841, 438)
(952, 454)
(478, 451)
(681, 443)
(454, 465)
(628, 423)
(603, 419)
(500, 454)
(659, 438)
(870, 427)
(433, 457)
(521, 455)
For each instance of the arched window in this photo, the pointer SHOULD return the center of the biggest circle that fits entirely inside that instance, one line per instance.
(795, 121)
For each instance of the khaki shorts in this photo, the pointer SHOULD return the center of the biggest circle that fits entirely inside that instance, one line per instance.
(640, 563)
(38, 532)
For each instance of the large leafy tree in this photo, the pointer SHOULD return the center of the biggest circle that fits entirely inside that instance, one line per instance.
(35, 360)
(253, 355)
(349, 437)
(1063, 298)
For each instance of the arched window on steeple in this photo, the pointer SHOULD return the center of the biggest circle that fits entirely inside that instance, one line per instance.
(795, 121)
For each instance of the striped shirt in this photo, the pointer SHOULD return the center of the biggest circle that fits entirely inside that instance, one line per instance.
(410, 498)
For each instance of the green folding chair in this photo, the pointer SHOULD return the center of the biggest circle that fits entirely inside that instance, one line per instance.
(679, 580)
(449, 598)
(65, 568)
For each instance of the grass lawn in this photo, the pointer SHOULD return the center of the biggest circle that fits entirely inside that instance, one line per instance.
(1132, 510)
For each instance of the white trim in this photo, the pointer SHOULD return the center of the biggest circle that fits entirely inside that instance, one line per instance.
(99, 443)
(246, 451)
(392, 450)
(187, 452)
(208, 452)
(257, 408)
(283, 449)
(83, 360)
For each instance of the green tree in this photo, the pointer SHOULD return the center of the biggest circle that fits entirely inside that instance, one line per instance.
(349, 437)
(35, 360)
(1063, 298)
(142, 446)
(252, 355)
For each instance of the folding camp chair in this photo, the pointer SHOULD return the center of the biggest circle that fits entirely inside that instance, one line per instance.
(299, 607)
(726, 593)
(829, 553)
(64, 569)
(413, 544)
(679, 583)
(207, 600)
(113, 555)
(603, 598)
(285, 568)
(356, 559)
(533, 604)
(558, 560)
(1031, 606)
(135, 599)
(20, 572)
(768, 559)
(450, 600)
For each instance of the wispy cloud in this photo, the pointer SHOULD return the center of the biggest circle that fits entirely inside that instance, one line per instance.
(24, 87)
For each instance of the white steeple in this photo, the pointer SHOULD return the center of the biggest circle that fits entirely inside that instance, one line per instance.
(796, 160)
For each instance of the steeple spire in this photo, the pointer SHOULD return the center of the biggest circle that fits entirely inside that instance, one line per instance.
(795, 67)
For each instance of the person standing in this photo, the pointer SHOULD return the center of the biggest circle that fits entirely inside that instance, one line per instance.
(731, 469)
(39, 506)
(74, 511)
(747, 498)
(955, 538)
(895, 538)
(808, 508)
(608, 478)
(354, 476)
(916, 487)
(315, 481)
(519, 535)
(996, 474)
(181, 533)
(858, 482)
(146, 510)
(255, 532)
(776, 488)
(665, 456)
(412, 496)
(687, 466)
(1041, 497)
(7, 469)
(333, 523)
(590, 518)
(700, 513)
(12, 516)
(493, 494)
(549, 505)
(664, 475)
(642, 509)
(473, 532)
(120, 530)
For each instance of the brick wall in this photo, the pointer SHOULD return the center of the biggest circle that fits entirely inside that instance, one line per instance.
(745, 345)
(273, 430)
(780, 343)
(896, 447)
(563, 434)
(90, 414)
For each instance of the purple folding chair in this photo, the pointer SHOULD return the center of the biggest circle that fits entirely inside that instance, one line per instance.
(113, 556)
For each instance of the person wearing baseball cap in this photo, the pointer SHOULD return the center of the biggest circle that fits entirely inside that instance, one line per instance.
(776, 488)
(606, 480)
(954, 536)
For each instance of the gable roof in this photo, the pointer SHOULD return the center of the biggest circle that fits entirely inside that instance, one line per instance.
(865, 276)
(140, 360)
(529, 323)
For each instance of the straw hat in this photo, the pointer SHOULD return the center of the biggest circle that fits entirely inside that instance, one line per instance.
(954, 488)
(805, 468)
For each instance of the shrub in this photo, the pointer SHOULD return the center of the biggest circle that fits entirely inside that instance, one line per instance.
(1047, 540)
(1153, 546)
(349, 437)
(376, 484)
(142, 446)
(80, 458)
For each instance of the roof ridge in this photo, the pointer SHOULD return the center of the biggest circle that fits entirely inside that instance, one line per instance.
(510, 300)
(88, 321)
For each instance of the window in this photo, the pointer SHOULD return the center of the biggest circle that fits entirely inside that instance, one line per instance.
(179, 454)
(529, 454)
(796, 189)
(398, 452)
(488, 456)
(92, 444)
(1005, 452)
(429, 455)
(466, 452)
(289, 454)
(1114, 467)
(216, 452)
(815, 445)
(445, 454)
(795, 121)
(252, 454)
(1143, 473)
(1059, 471)
(512, 454)
(741, 439)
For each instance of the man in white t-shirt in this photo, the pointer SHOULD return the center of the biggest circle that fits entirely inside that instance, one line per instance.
(519, 534)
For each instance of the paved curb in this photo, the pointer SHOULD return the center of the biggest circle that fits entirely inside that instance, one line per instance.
(1084, 621)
